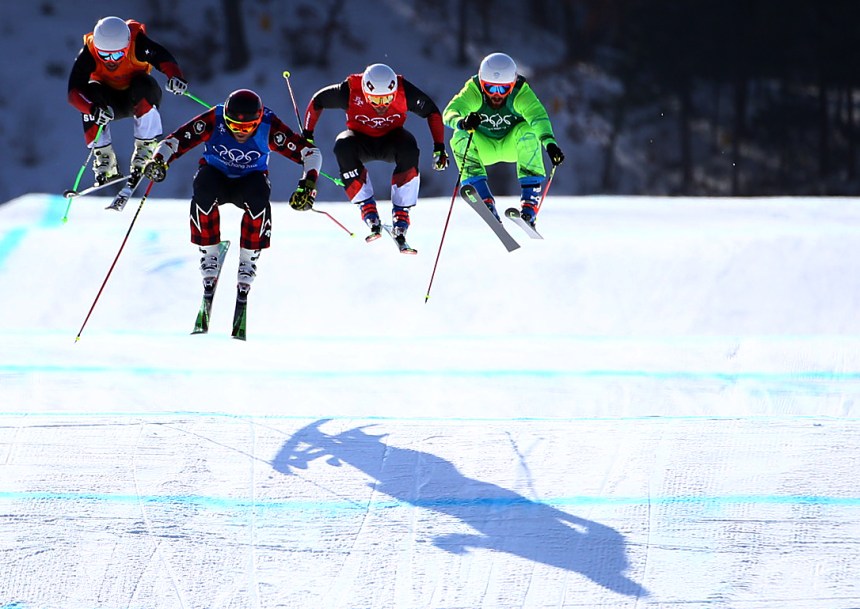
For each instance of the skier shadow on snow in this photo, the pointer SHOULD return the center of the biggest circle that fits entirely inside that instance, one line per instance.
(506, 521)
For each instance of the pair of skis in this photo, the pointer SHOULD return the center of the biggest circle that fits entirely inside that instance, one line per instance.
(399, 240)
(122, 197)
(471, 196)
(240, 312)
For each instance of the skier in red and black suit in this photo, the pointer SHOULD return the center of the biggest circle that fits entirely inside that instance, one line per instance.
(376, 102)
(110, 79)
(238, 137)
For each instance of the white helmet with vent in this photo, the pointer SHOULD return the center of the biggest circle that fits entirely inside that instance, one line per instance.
(378, 80)
(111, 34)
(498, 68)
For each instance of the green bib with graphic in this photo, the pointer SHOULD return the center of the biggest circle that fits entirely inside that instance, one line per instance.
(497, 122)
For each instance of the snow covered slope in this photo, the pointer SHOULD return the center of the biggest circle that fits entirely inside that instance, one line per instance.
(655, 406)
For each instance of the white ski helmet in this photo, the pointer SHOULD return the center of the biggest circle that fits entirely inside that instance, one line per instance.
(111, 34)
(498, 68)
(378, 80)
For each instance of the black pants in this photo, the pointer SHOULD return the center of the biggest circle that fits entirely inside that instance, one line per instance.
(352, 150)
(142, 94)
(250, 192)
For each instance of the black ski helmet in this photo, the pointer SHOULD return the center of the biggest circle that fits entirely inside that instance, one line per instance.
(243, 106)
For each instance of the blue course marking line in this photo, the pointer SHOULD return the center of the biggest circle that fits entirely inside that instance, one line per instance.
(217, 503)
(804, 376)
(11, 239)
(244, 418)
(53, 216)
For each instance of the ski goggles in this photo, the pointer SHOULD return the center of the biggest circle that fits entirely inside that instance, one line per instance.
(241, 127)
(380, 101)
(496, 89)
(111, 55)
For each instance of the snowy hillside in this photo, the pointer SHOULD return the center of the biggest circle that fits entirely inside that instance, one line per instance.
(47, 143)
(655, 406)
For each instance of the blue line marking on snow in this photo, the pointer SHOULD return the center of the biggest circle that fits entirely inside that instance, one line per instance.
(223, 503)
(802, 376)
(250, 418)
(52, 217)
(10, 240)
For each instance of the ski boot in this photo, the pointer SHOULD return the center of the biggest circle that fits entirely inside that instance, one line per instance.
(491, 205)
(400, 221)
(209, 267)
(528, 211)
(143, 150)
(104, 165)
(370, 215)
(247, 267)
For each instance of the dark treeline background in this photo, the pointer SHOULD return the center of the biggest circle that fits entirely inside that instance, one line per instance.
(679, 97)
(762, 91)
(647, 97)
(768, 84)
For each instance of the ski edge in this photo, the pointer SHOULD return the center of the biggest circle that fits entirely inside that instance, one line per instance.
(470, 195)
(204, 314)
(72, 194)
(513, 214)
(403, 246)
(124, 196)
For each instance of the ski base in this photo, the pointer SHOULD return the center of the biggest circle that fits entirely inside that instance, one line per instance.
(240, 316)
(471, 196)
(201, 324)
(69, 194)
(400, 241)
(125, 193)
(513, 214)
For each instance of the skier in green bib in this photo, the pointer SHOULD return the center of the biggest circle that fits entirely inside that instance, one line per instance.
(508, 124)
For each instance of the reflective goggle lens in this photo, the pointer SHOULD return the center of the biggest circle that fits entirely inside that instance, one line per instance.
(237, 127)
(380, 101)
(111, 55)
(496, 89)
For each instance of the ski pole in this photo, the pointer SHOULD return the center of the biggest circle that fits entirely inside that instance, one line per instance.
(68, 193)
(450, 209)
(133, 220)
(286, 76)
(546, 190)
(332, 218)
(197, 99)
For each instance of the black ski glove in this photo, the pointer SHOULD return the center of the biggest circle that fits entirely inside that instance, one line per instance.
(102, 114)
(155, 169)
(556, 156)
(177, 86)
(470, 123)
(440, 157)
(303, 198)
